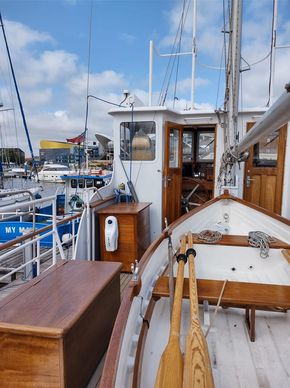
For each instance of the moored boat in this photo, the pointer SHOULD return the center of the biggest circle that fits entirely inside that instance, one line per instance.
(230, 273)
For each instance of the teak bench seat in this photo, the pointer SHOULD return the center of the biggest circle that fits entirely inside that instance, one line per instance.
(241, 241)
(251, 296)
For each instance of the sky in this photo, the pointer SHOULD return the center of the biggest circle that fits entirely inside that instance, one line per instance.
(49, 46)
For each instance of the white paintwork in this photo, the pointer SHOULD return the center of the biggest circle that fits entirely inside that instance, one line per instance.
(236, 361)
(147, 175)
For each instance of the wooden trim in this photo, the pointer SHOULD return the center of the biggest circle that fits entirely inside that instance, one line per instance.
(280, 167)
(36, 331)
(241, 241)
(236, 294)
(111, 362)
(277, 171)
(170, 125)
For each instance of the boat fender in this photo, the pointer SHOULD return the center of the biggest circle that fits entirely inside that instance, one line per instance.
(191, 251)
(111, 234)
(181, 256)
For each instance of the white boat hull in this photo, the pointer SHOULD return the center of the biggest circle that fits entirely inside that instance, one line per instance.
(236, 361)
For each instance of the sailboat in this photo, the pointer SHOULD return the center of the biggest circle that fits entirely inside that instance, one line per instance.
(207, 303)
(208, 299)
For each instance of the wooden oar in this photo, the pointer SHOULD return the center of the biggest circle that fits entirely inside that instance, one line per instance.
(197, 367)
(170, 370)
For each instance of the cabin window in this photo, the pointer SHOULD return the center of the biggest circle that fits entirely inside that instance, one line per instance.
(188, 146)
(266, 151)
(89, 183)
(138, 140)
(205, 147)
(73, 183)
(81, 183)
(98, 183)
(174, 148)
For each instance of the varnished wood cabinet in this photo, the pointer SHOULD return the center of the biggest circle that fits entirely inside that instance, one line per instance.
(134, 232)
(55, 329)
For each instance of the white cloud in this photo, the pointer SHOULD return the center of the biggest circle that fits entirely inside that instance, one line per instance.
(129, 38)
(36, 98)
(20, 36)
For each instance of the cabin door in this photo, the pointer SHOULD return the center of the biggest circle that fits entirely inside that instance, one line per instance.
(264, 170)
(172, 172)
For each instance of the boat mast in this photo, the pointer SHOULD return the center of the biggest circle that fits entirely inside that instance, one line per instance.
(232, 90)
(18, 97)
(193, 57)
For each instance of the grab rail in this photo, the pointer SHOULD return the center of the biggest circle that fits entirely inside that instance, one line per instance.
(31, 241)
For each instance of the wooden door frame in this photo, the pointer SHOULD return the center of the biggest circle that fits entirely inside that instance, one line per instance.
(170, 125)
(280, 165)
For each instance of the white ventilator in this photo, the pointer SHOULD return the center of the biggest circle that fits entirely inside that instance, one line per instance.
(111, 234)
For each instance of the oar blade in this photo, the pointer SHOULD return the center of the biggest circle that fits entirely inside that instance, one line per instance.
(170, 371)
(197, 366)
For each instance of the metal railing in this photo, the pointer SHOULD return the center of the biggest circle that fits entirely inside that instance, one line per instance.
(26, 251)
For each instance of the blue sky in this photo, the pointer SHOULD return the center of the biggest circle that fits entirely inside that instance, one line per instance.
(49, 46)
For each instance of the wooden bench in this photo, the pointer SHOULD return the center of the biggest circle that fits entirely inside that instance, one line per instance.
(241, 241)
(251, 296)
(55, 329)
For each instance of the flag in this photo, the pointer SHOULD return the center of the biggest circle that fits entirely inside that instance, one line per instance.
(77, 140)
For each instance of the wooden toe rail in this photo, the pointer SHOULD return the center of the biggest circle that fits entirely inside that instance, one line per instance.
(251, 296)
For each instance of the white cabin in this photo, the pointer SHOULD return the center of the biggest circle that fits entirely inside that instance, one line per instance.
(175, 152)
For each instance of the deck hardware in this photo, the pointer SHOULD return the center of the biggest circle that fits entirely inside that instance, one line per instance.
(233, 268)
(191, 251)
(181, 256)
(135, 270)
(141, 313)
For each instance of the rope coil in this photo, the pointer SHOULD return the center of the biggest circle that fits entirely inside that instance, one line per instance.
(209, 236)
(260, 240)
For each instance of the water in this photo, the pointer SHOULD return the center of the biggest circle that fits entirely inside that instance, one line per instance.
(24, 184)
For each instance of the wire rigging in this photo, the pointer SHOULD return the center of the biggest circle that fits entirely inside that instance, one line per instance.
(88, 76)
(179, 50)
(171, 62)
(273, 43)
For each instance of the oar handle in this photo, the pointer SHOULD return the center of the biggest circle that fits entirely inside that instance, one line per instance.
(197, 366)
(191, 254)
(177, 303)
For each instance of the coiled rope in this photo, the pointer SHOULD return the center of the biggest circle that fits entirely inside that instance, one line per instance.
(260, 240)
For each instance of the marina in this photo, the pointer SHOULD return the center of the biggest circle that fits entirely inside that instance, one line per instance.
(170, 268)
